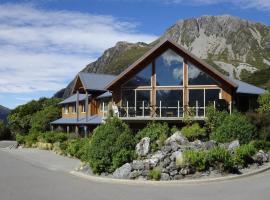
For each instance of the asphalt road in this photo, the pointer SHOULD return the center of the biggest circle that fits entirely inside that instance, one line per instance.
(22, 178)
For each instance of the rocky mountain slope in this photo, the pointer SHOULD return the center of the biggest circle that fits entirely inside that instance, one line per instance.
(4, 113)
(234, 46)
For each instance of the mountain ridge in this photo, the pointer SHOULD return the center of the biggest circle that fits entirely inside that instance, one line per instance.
(236, 47)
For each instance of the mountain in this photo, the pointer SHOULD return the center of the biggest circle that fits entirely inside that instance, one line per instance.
(236, 47)
(4, 113)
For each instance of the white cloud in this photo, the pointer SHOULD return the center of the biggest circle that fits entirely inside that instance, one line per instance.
(42, 50)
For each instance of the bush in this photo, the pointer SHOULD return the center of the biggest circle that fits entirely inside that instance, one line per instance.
(234, 126)
(264, 102)
(111, 146)
(155, 131)
(31, 139)
(194, 132)
(20, 139)
(195, 159)
(155, 174)
(52, 137)
(220, 159)
(214, 118)
(243, 155)
(4, 131)
(78, 148)
(261, 145)
(262, 123)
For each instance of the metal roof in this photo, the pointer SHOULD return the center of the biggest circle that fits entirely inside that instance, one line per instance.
(73, 98)
(105, 95)
(92, 81)
(91, 120)
(246, 88)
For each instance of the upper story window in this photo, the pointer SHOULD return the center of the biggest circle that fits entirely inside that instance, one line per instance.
(198, 77)
(169, 69)
(74, 109)
(142, 78)
(83, 108)
(66, 109)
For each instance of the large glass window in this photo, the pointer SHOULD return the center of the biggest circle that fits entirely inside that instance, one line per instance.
(211, 95)
(198, 77)
(169, 103)
(128, 98)
(143, 78)
(196, 101)
(169, 69)
(143, 102)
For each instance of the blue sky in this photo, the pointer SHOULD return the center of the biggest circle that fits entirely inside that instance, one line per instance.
(44, 43)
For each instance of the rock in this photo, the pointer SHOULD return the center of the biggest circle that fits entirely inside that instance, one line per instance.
(165, 162)
(166, 149)
(179, 159)
(135, 174)
(187, 170)
(173, 173)
(197, 144)
(175, 146)
(145, 173)
(137, 165)
(123, 171)
(233, 145)
(172, 166)
(174, 154)
(178, 138)
(164, 177)
(178, 177)
(210, 144)
(143, 147)
(261, 157)
(158, 155)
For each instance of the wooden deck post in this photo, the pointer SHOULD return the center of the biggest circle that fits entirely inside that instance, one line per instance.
(86, 105)
(77, 105)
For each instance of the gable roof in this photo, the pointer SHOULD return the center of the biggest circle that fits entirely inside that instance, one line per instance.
(246, 88)
(93, 81)
(170, 44)
(73, 99)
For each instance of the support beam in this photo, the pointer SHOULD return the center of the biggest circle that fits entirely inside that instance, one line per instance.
(185, 90)
(85, 131)
(51, 127)
(86, 105)
(77, 105)
(77, 130)
(68, 130)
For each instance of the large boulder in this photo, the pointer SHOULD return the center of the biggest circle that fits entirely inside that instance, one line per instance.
(210, 144)
(261, 157)
(164, 177)
(143, 147)
(138, 165)
(233, 145)
(122, 172)
(178, 138)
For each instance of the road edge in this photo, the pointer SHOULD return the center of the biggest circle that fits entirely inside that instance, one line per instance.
(167, 183)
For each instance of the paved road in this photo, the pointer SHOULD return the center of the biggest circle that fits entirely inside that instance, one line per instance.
(22, 178)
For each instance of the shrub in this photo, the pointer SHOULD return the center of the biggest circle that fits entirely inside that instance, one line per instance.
(220, 159)
(4, 131)
(155, 174)
(194, 132)
(243, 155)
(262, 123)
(31, 139)
(52, 137)
(154, 131)
(234, 126)
(264, 102)
(195, 159)
(214, 118)
(261, 145)
(20, 139)
(107, 146)
(78, 148)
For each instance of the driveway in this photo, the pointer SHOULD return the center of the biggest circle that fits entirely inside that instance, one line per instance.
(29, 174)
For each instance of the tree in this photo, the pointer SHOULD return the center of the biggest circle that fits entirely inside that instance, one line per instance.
(20, 119)
(4, 132)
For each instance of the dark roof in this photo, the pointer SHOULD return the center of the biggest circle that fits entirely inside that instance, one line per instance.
(73, 98)
(93, 81)
(105, 95)
(246, 88)
(91, 120)
(182, 49)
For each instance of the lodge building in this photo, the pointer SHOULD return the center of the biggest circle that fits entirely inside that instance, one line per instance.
(165, 84)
